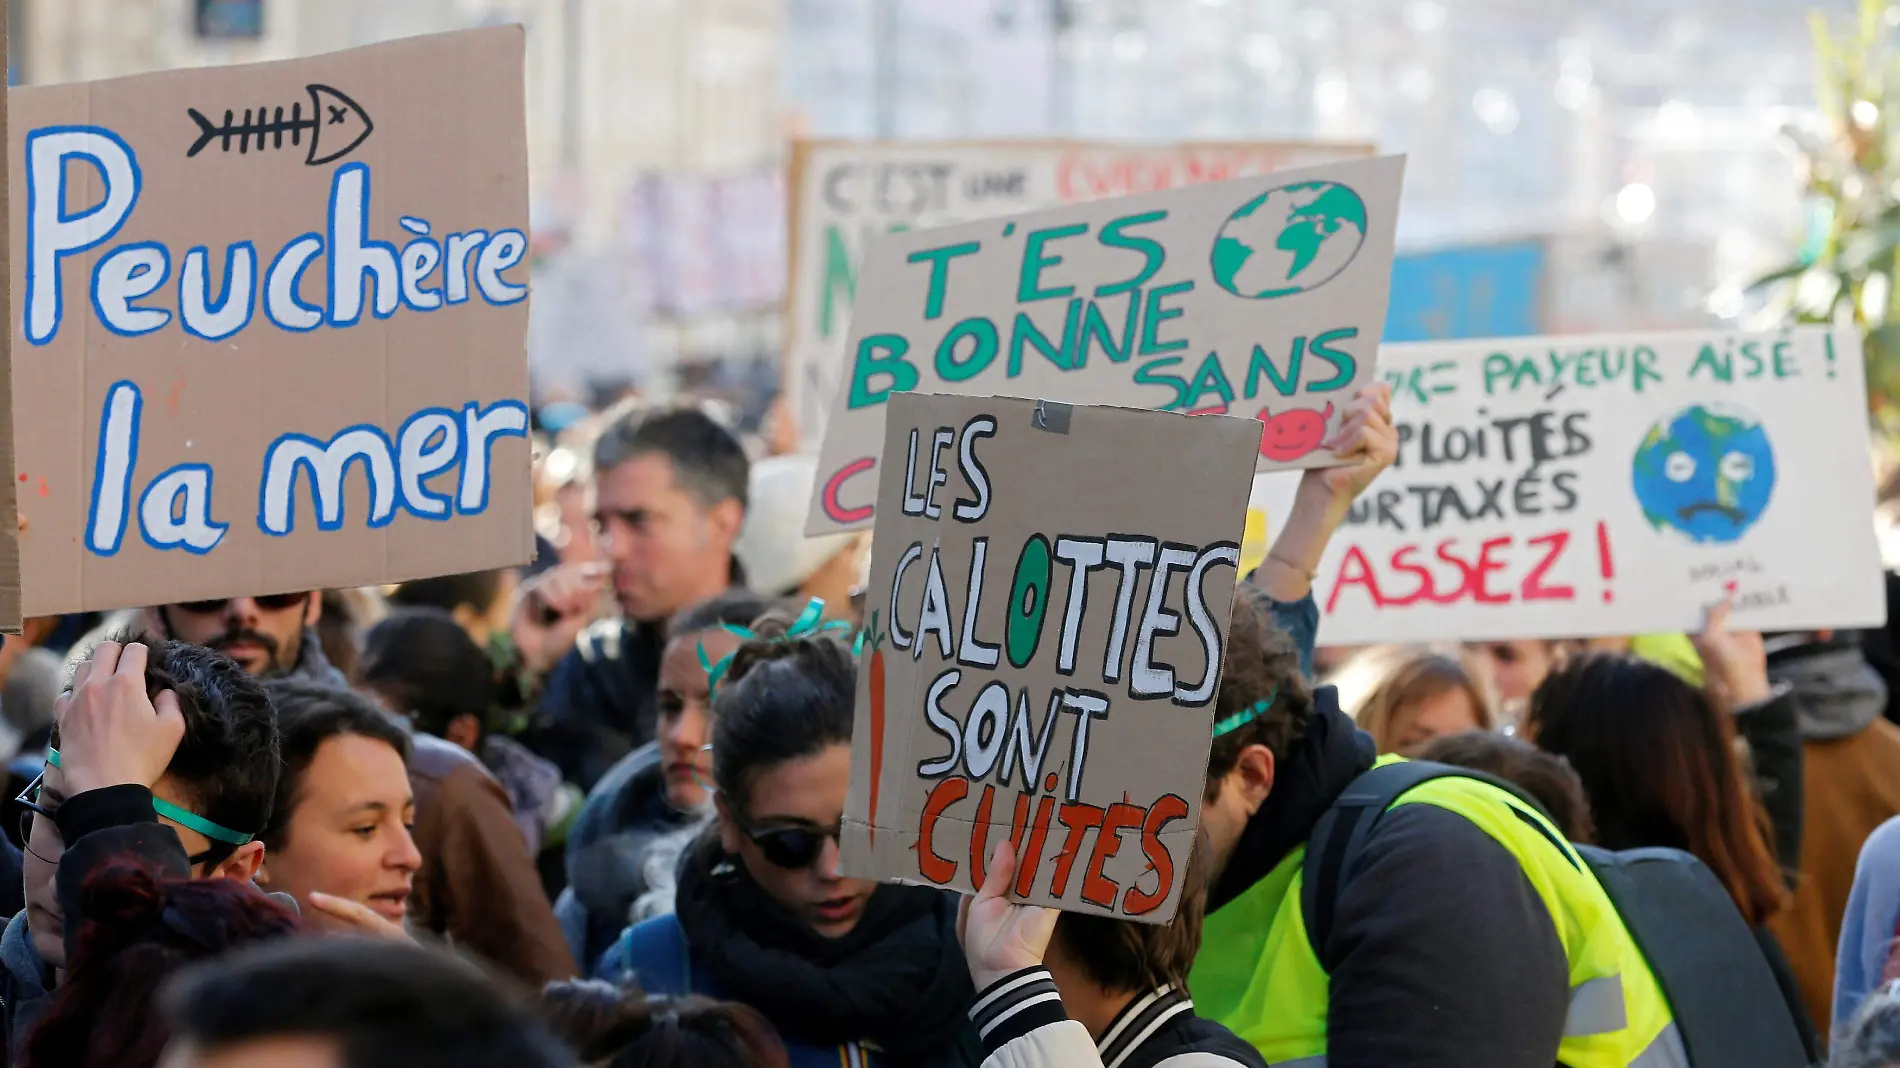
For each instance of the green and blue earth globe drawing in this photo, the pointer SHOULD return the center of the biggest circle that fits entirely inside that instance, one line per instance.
(1289, 240)
(1705, 473)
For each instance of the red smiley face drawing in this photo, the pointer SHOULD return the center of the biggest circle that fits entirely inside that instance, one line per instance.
(1293, 433)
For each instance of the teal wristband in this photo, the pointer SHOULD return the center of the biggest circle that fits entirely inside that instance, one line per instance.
(182, 817)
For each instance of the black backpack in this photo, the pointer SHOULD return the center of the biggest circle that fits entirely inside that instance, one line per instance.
(1727, 1005)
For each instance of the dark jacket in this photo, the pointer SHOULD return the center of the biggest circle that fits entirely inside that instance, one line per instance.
(478, 885)
(1023, 1026)
(608, 867)
(892, 993)
(1772, 731)
(116, 823)
(1434, 897)
(599, 703)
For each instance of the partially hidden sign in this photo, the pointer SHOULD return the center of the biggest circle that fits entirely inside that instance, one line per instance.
(9, 530)
(1263, 297)
(846, 193)
(1582, 486)
(1048, 610)
(270, 324)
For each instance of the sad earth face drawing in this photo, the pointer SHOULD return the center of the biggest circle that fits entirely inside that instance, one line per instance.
(1705, 472)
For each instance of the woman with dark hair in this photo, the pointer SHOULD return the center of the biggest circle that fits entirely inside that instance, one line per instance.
(140, 930)
(624, 848)
(848, 971)
(621, 1027)
(338, 840)
(1659, 764)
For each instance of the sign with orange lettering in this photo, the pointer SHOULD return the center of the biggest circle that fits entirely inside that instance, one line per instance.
(1047, 612)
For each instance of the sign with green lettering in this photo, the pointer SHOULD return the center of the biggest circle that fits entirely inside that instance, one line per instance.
(1262, 297)
(1582, 486)
(845, 193)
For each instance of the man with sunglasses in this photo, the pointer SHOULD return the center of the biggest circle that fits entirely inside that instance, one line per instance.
(271, 635)
(164, 754)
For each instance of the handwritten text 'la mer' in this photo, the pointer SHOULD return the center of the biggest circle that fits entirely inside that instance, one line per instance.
(174, 510)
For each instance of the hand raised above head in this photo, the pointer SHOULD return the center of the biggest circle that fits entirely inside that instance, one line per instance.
(1367, 438)
(111, 732)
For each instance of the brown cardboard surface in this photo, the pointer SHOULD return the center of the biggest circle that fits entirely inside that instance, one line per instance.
(1002, 481)
(235, 413)
(843, 192)
(1262, 297)
(9, 531)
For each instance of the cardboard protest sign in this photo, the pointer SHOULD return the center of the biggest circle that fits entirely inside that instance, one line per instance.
(1048, 612)
(9, 530)
(1263, 296)
(845, 193)
(1580, 486)
(272, 322)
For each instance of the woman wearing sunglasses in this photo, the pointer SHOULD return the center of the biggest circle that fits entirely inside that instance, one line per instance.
(849, 972)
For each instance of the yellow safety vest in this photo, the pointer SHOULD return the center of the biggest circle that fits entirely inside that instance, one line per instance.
(1257, 972)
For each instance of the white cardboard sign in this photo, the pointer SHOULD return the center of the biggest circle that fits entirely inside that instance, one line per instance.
(1580, 486)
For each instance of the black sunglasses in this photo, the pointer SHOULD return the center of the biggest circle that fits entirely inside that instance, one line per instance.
(792, 848)
(270, 602)
(29, 801)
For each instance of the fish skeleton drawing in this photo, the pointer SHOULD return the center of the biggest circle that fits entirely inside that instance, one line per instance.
(328, 108)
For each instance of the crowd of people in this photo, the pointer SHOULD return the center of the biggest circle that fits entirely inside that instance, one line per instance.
(588, 813)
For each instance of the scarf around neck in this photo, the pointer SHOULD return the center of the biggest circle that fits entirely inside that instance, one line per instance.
(897, 981)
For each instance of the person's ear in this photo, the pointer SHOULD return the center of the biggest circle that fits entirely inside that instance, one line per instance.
(725, 519)
(243, 865)
(729, 833)
(1253, 776)
(314, 610)
(464, 730)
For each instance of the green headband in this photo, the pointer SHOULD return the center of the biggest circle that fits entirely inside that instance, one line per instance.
(180, 816)
(1245, 716)
(810, 623)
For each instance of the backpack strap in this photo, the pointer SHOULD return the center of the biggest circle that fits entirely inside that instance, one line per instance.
(1339, 838)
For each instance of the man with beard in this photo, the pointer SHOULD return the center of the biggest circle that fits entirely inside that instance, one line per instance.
(271, 635)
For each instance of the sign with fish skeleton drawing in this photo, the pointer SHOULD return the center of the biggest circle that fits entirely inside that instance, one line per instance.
(272, 324)
(1263, 297)
(1048, 612)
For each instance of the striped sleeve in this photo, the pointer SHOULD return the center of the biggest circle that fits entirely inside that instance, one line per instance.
(1015, 1005)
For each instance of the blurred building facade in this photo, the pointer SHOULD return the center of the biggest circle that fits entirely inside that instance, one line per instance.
(1636, 138)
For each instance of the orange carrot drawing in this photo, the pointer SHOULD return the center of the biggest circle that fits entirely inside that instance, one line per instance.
(877, 719)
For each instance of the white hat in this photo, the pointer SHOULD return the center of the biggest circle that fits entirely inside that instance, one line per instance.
(772, 545)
